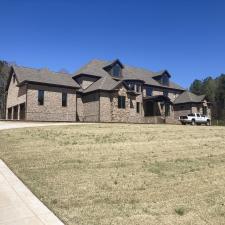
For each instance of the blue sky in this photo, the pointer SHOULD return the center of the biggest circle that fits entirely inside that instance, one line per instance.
(185, 37)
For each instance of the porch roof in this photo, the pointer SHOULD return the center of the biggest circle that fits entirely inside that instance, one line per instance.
(157, 98)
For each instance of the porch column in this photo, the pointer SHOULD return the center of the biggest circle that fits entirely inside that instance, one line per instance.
(18, 112)
(12, 113)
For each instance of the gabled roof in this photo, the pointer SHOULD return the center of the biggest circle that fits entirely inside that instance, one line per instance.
(160, 73)
(44, 76)
(117, 61)
(105, 83)
(96, 68)
(188, 97)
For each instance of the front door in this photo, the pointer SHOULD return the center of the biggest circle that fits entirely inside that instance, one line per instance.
(149, 109)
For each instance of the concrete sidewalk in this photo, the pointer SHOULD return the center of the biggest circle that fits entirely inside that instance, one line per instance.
(18, 206)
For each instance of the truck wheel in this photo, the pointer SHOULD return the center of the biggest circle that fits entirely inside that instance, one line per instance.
(193, 122)
(208, 123)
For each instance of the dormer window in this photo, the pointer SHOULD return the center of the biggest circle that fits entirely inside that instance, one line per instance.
(116, 70)
(165, 93)
(165, 80)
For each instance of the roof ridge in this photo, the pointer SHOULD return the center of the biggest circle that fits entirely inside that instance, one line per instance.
(39, 69)
(139, 68)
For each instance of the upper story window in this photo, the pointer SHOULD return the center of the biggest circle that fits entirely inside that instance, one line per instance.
(131, 86)
(165, 80)
(138, 87)
(116, 70)
(121, 102)
(149, 91)
(64, 99)
(165, 93)
(40, 97)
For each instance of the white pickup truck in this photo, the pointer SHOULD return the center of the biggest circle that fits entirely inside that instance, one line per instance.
(195, 118)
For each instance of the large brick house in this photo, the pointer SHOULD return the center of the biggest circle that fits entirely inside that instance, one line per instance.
(101, 91)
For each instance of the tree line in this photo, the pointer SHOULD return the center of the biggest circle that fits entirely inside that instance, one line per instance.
(214, 89)
(4, 74)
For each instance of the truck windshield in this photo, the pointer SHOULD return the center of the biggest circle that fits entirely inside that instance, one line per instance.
(191, 114)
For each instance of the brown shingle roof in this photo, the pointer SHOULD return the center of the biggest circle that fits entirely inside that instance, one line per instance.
(44, 76)
(188, 97)
(104, 83)
(95, 67)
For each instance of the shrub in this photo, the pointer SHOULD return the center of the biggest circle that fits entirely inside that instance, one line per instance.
(180, 211)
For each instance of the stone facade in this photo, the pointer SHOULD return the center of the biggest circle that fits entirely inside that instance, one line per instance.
(91, 107)
(98, 105)
(27, 96)
(16, 96)
(52, 110)
(185, 109)
(109, 111)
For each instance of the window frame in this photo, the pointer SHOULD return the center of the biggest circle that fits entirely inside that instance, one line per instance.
(116, 70)
(138, 88)
(165, 93)
(41, 96)
(121, 102)
(149, 88)
(138, 104)
(165, 80)
(64, 99)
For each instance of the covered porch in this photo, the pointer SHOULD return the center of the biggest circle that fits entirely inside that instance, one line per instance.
(157, 106)
(17, 112)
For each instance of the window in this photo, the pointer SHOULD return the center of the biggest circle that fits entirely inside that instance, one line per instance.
(116, 70)
(165, 80)
(165, 93)
(138, 107)
(131, 86)
(40, 97)
(138, 87)
(149, 91)
(64, 99)
(121, 102)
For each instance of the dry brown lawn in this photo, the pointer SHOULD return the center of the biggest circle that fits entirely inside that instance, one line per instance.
(123, 174)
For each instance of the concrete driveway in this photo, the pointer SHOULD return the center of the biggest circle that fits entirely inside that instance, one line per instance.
(18, 124)
(18, 205)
